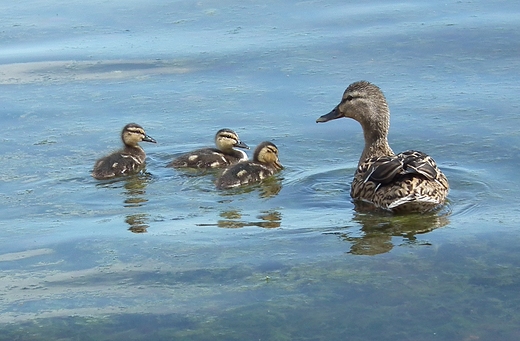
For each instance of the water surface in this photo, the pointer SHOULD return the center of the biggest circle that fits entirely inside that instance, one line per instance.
(163, 255)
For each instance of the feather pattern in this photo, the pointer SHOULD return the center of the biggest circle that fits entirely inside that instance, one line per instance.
(406, 182)
(409, 181)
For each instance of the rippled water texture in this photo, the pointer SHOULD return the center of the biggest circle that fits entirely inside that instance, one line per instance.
(163, 255)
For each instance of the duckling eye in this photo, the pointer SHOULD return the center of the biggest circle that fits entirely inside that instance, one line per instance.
(349, 98)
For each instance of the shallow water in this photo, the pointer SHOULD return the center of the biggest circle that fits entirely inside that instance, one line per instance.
(163, 255)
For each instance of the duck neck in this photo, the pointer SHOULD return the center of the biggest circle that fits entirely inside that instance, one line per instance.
(226, 150)
(133, 149)
(376, 145)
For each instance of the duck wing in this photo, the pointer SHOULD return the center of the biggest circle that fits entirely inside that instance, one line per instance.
(409, 180)
(384, 170)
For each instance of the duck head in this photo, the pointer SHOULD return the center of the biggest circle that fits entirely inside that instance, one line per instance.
(365, 103)
(133, 133)
(227, 139)
(267, 152)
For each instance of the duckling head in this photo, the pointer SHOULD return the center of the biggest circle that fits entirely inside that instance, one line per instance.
(226, 139)
(365, 103)
(267, 152)
(133, 133)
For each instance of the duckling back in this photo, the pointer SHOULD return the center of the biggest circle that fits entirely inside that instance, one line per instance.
(244, 173)
(208, 158)
(129, 160)
(222, 156)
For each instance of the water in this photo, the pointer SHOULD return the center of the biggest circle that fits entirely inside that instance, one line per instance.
(165, 256)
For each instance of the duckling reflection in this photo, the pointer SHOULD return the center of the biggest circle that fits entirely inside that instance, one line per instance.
(135, 192)
(377, 230)
(268, 188)
(233, 219)
(138, 222)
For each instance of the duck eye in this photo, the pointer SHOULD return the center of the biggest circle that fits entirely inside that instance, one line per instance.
(349, 98)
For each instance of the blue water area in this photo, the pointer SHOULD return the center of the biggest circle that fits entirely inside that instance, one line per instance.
(165, 255)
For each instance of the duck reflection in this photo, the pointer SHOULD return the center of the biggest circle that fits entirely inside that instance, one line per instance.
(135, 196)
(138, 222)
(268, 188)
(378, 229)
(234, 219)
(135, 190)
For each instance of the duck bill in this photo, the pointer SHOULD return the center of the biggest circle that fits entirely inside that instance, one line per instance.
(334, 114)
(148, 138)
(278, 165)
(241, 144)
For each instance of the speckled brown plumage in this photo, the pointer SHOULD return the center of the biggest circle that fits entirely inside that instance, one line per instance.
(405, 182)
(220, 157)
(265, 163)
(129, 160)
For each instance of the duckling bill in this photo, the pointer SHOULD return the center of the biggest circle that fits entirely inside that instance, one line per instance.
(265, 163)
(129, 160)
(404, 182)
(222, 156)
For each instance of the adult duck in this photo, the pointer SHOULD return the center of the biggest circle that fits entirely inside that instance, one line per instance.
(404, 182)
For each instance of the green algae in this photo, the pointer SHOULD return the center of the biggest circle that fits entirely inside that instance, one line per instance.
(428, 294)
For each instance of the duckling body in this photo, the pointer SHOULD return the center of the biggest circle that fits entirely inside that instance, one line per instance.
(222, 156)
(129, 160)
(265, 163)
(404, 182)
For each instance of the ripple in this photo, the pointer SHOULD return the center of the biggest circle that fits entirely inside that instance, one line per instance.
(320, 188)
(470, 189)
(73, 70)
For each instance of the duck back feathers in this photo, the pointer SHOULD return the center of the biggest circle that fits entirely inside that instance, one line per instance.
(409, 181)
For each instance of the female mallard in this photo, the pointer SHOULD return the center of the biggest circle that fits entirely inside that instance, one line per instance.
(264, 164)
(222, 156)
(129, 160)
(406, 182)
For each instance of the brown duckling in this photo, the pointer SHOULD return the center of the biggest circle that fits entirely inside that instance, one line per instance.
(222, 156)
(264, 164)
(405, 182)
(129, 160)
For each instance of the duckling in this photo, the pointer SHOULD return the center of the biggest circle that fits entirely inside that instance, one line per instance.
(264, 164)
(129, 160)
(405, 182)
(220, 157)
